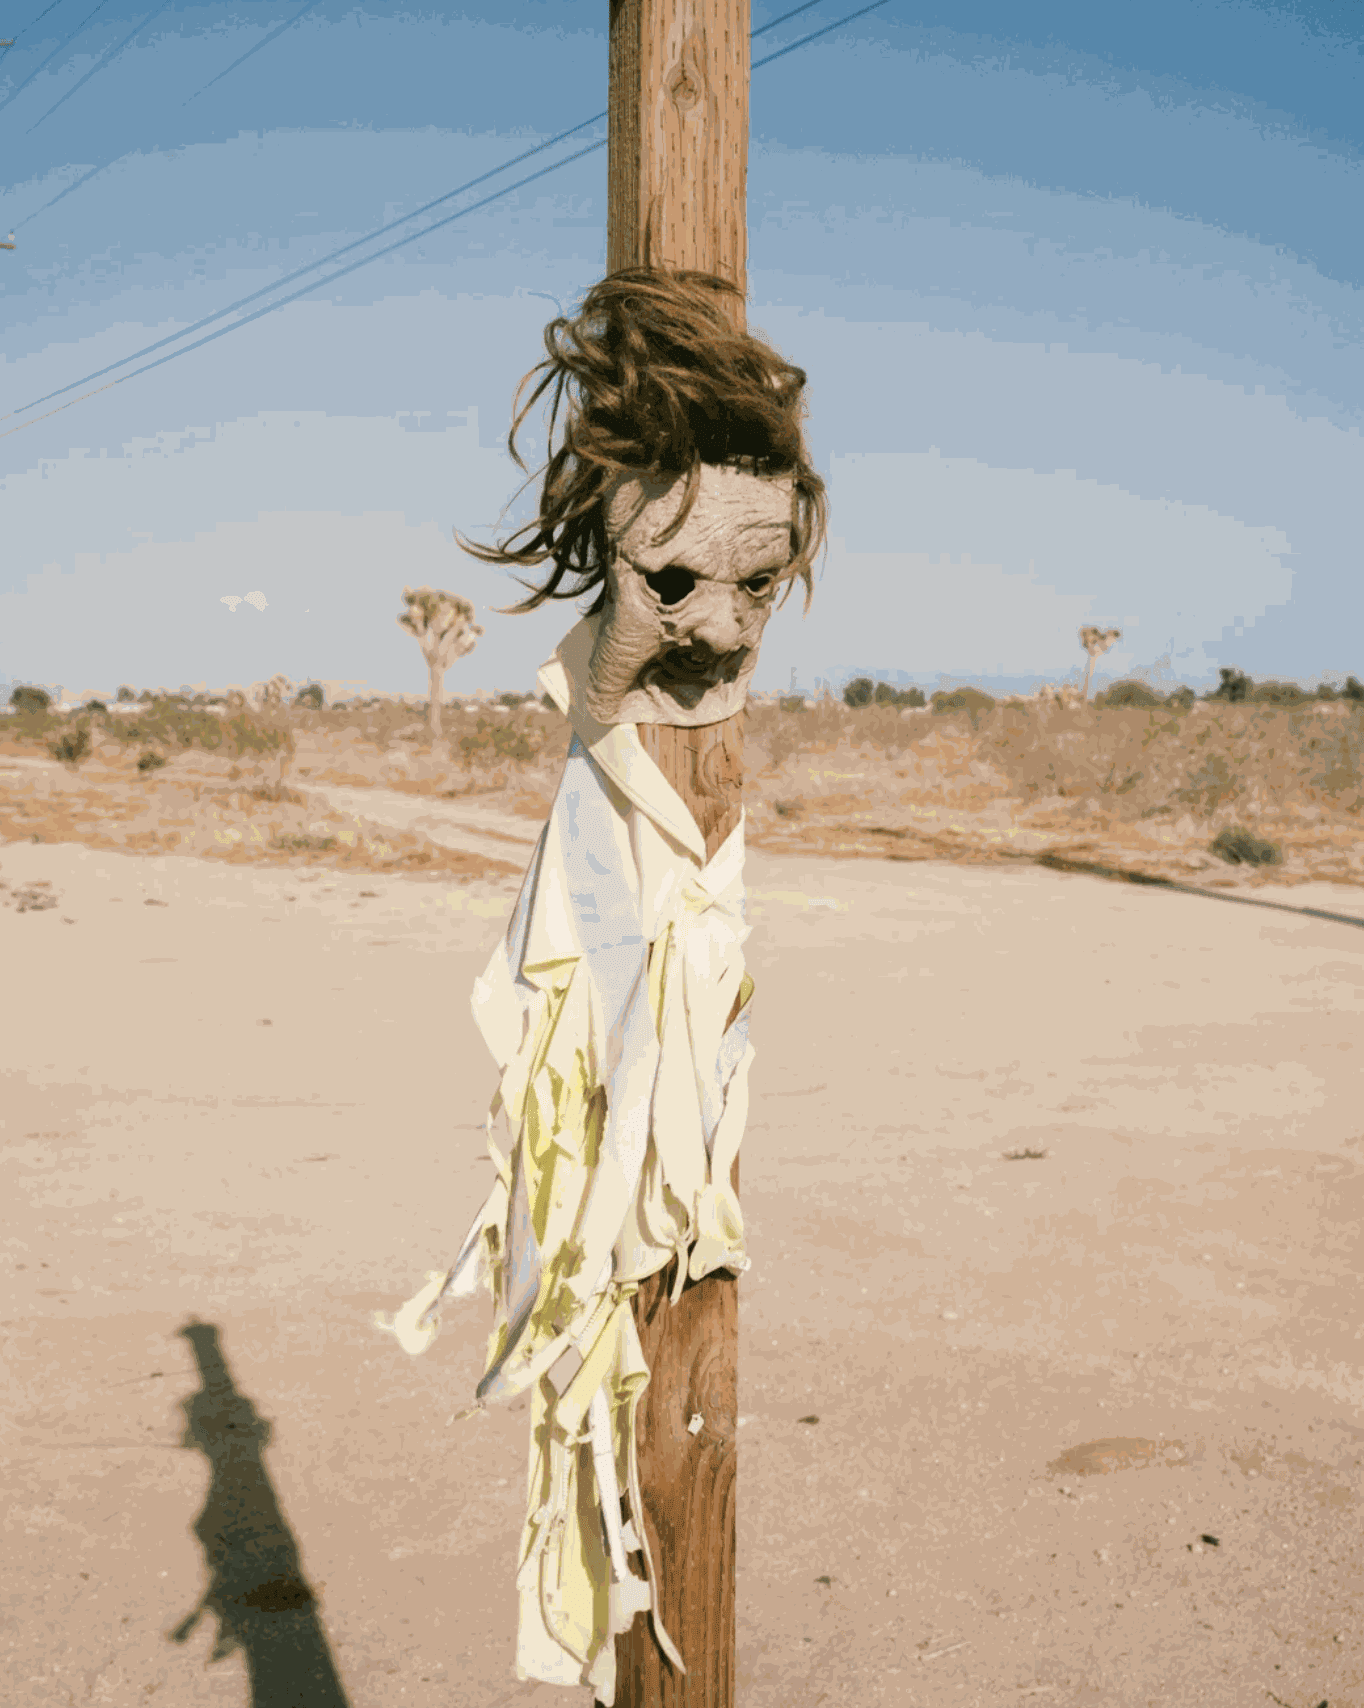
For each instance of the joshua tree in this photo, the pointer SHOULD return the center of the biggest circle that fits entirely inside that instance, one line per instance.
(445, 629)
(1095, 641)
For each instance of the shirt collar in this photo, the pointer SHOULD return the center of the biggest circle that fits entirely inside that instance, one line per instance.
(616, 748)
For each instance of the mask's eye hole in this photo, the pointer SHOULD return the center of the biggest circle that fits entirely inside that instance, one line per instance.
(760, 585)
(672, 584)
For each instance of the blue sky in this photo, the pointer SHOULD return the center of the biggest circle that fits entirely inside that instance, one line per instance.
(1077, 286)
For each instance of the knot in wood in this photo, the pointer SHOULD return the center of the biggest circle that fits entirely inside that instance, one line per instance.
(719, 772)
(686, 82)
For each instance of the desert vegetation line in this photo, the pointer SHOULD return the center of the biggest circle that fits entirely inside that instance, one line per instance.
(1234, 688)
(1253, 782)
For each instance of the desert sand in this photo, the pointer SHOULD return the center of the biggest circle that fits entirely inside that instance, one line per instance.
(1053, 1189)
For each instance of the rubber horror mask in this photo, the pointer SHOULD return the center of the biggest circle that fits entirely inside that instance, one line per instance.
(678, 638)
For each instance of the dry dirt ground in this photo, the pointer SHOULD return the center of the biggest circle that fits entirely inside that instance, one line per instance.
(1051, 1381)
(1147, 791)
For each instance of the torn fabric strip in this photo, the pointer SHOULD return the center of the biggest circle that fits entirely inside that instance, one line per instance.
(621, 1103)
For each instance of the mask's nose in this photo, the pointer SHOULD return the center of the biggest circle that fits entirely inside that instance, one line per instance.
(718, 627)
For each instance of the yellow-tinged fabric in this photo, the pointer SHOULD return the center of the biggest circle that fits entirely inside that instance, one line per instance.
(623, 1095)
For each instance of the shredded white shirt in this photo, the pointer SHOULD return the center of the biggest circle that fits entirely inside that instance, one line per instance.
(623, 1095)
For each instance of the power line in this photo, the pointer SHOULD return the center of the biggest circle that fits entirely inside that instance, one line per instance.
(108, 59)
(32, 21)
(814, 34)
(76, 183)
(273, 36)
(764, 28)
(15, 93)
(376, 255)
(331, 279)
(95, 171)
(311, 266)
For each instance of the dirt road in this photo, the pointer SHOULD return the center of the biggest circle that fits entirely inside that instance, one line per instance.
(242, 1108)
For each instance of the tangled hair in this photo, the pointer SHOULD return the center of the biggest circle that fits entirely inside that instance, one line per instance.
(658, 380)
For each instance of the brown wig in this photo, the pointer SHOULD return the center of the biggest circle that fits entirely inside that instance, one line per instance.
(658, 380)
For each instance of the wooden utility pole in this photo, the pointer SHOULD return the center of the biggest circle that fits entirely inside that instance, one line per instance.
(677, 174)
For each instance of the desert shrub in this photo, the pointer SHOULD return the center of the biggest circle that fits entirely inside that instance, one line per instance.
(125, 694)
(1127, 693)
(1239, 846)
(150, 760)
(492, 740)
(1278, 694)
(513, 700)
(303, 844)
(885, 695)
(1070, 751)
(962, 700)
(1182, 697)
(249, 734)
(782, 728)
(1353, 690)
(1208, 785)
(313, 695)
(168, 722)
(1235, 686)
(862, 691)
(72, 745)
(29, 699)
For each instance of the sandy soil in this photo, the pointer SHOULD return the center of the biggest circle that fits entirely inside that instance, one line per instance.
(1054, 1189)
(221, 809)
(1149, 792)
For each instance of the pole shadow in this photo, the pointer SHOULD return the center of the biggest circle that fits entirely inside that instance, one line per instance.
(1094, 869)
(256, 1588)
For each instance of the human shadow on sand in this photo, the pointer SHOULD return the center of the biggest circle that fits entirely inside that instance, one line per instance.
(256, 1588)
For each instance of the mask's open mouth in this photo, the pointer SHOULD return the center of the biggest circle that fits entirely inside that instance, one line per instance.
(687, 674)
(700, 664)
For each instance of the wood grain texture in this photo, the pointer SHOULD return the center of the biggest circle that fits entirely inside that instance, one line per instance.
(677, 137)
(706, 768)
(689, 1483)
(689, 1487)
(677, 186)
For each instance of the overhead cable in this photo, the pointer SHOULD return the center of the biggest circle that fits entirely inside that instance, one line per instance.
(313, 266)
(294, 296)
(364, 260)
(273, 36)
(96, 170)
(814, 34)
(32, 21)
(15, 93)
(108, 59)
(762, 29)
